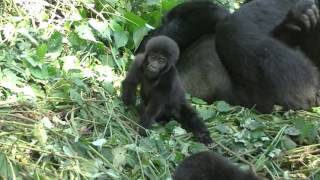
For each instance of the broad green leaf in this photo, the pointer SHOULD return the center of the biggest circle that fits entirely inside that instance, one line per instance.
(135, 19)
(138, 35)
(39, 73)
(119, 157)
(4, 166)
(40, 133)
(70, 62)
(55, 42)
(153, 2)
(120, 38)
(98, 47)
(9, 31)
(77, 42)
(41, 51)
(252, 124)
(99, 142)
(108, 87)
(179, 131)
(224, 129)
(101, 27)
(292, 131)
(75, 96)
(68, 151)
(206, 113)
(223, 106)
(288, 143)
(169, 4)
(84, 32)
(32, 61)
(196, 100)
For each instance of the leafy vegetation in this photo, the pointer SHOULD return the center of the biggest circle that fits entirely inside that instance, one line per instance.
(61, 64)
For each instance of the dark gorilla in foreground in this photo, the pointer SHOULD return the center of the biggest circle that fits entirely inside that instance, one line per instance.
(163, 95)
(210, 166)
(262, 55)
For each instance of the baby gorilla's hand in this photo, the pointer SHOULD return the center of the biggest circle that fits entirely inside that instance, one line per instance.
(128, 97)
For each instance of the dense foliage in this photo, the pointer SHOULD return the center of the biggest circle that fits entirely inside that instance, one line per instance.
(61, 64)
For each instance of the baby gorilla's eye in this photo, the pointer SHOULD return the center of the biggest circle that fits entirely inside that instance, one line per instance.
(161, 60)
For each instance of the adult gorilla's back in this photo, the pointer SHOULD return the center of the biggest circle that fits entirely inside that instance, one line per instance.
(202, 72)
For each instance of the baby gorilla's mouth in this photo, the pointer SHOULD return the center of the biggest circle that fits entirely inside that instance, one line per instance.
(151, 73)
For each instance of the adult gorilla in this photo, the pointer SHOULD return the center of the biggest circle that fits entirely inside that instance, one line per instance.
(264, 71)
(255, 65)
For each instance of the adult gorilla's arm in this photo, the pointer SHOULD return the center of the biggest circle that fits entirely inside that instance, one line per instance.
(187, 22)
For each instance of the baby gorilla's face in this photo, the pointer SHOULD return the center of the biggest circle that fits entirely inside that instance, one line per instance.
(155, 64)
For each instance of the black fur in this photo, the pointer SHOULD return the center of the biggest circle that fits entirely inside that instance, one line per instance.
(199, 67)
(163, 96)
(264, 71)
(187, 22)
(210, 166)
(258, 61)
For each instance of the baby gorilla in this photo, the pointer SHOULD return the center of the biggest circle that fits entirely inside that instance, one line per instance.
(163, 96)
(210, 166)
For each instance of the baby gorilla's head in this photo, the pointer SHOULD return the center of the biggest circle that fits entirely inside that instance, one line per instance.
(161, 54)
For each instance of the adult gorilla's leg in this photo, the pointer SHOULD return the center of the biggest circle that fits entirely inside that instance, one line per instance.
(264, 71)
(187, 22)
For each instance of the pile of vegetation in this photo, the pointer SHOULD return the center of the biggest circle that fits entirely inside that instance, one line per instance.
(61, 66)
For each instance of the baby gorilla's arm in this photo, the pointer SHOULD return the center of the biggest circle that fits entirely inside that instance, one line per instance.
(129, 85)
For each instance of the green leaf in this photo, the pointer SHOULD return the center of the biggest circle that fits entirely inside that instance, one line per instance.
(138, 21)
(70, 62)
(224, 129)
(252, 124)
(84, 32)
(292, 131)
(41, 51)
(288, 143)
(99, 142)
(77, 42)
(153, 2)
(120, 38)
(75, 96)
(169, 4)
(39, 73)
(119, 157)
(101, 27)
(4, 166)
(40, 133)
(198, 101)
(55, 42)
(206, 113)
(139, 34)
(178, 131)
(308, 131)
(108, 87)
(223, 106)
(32, 61)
